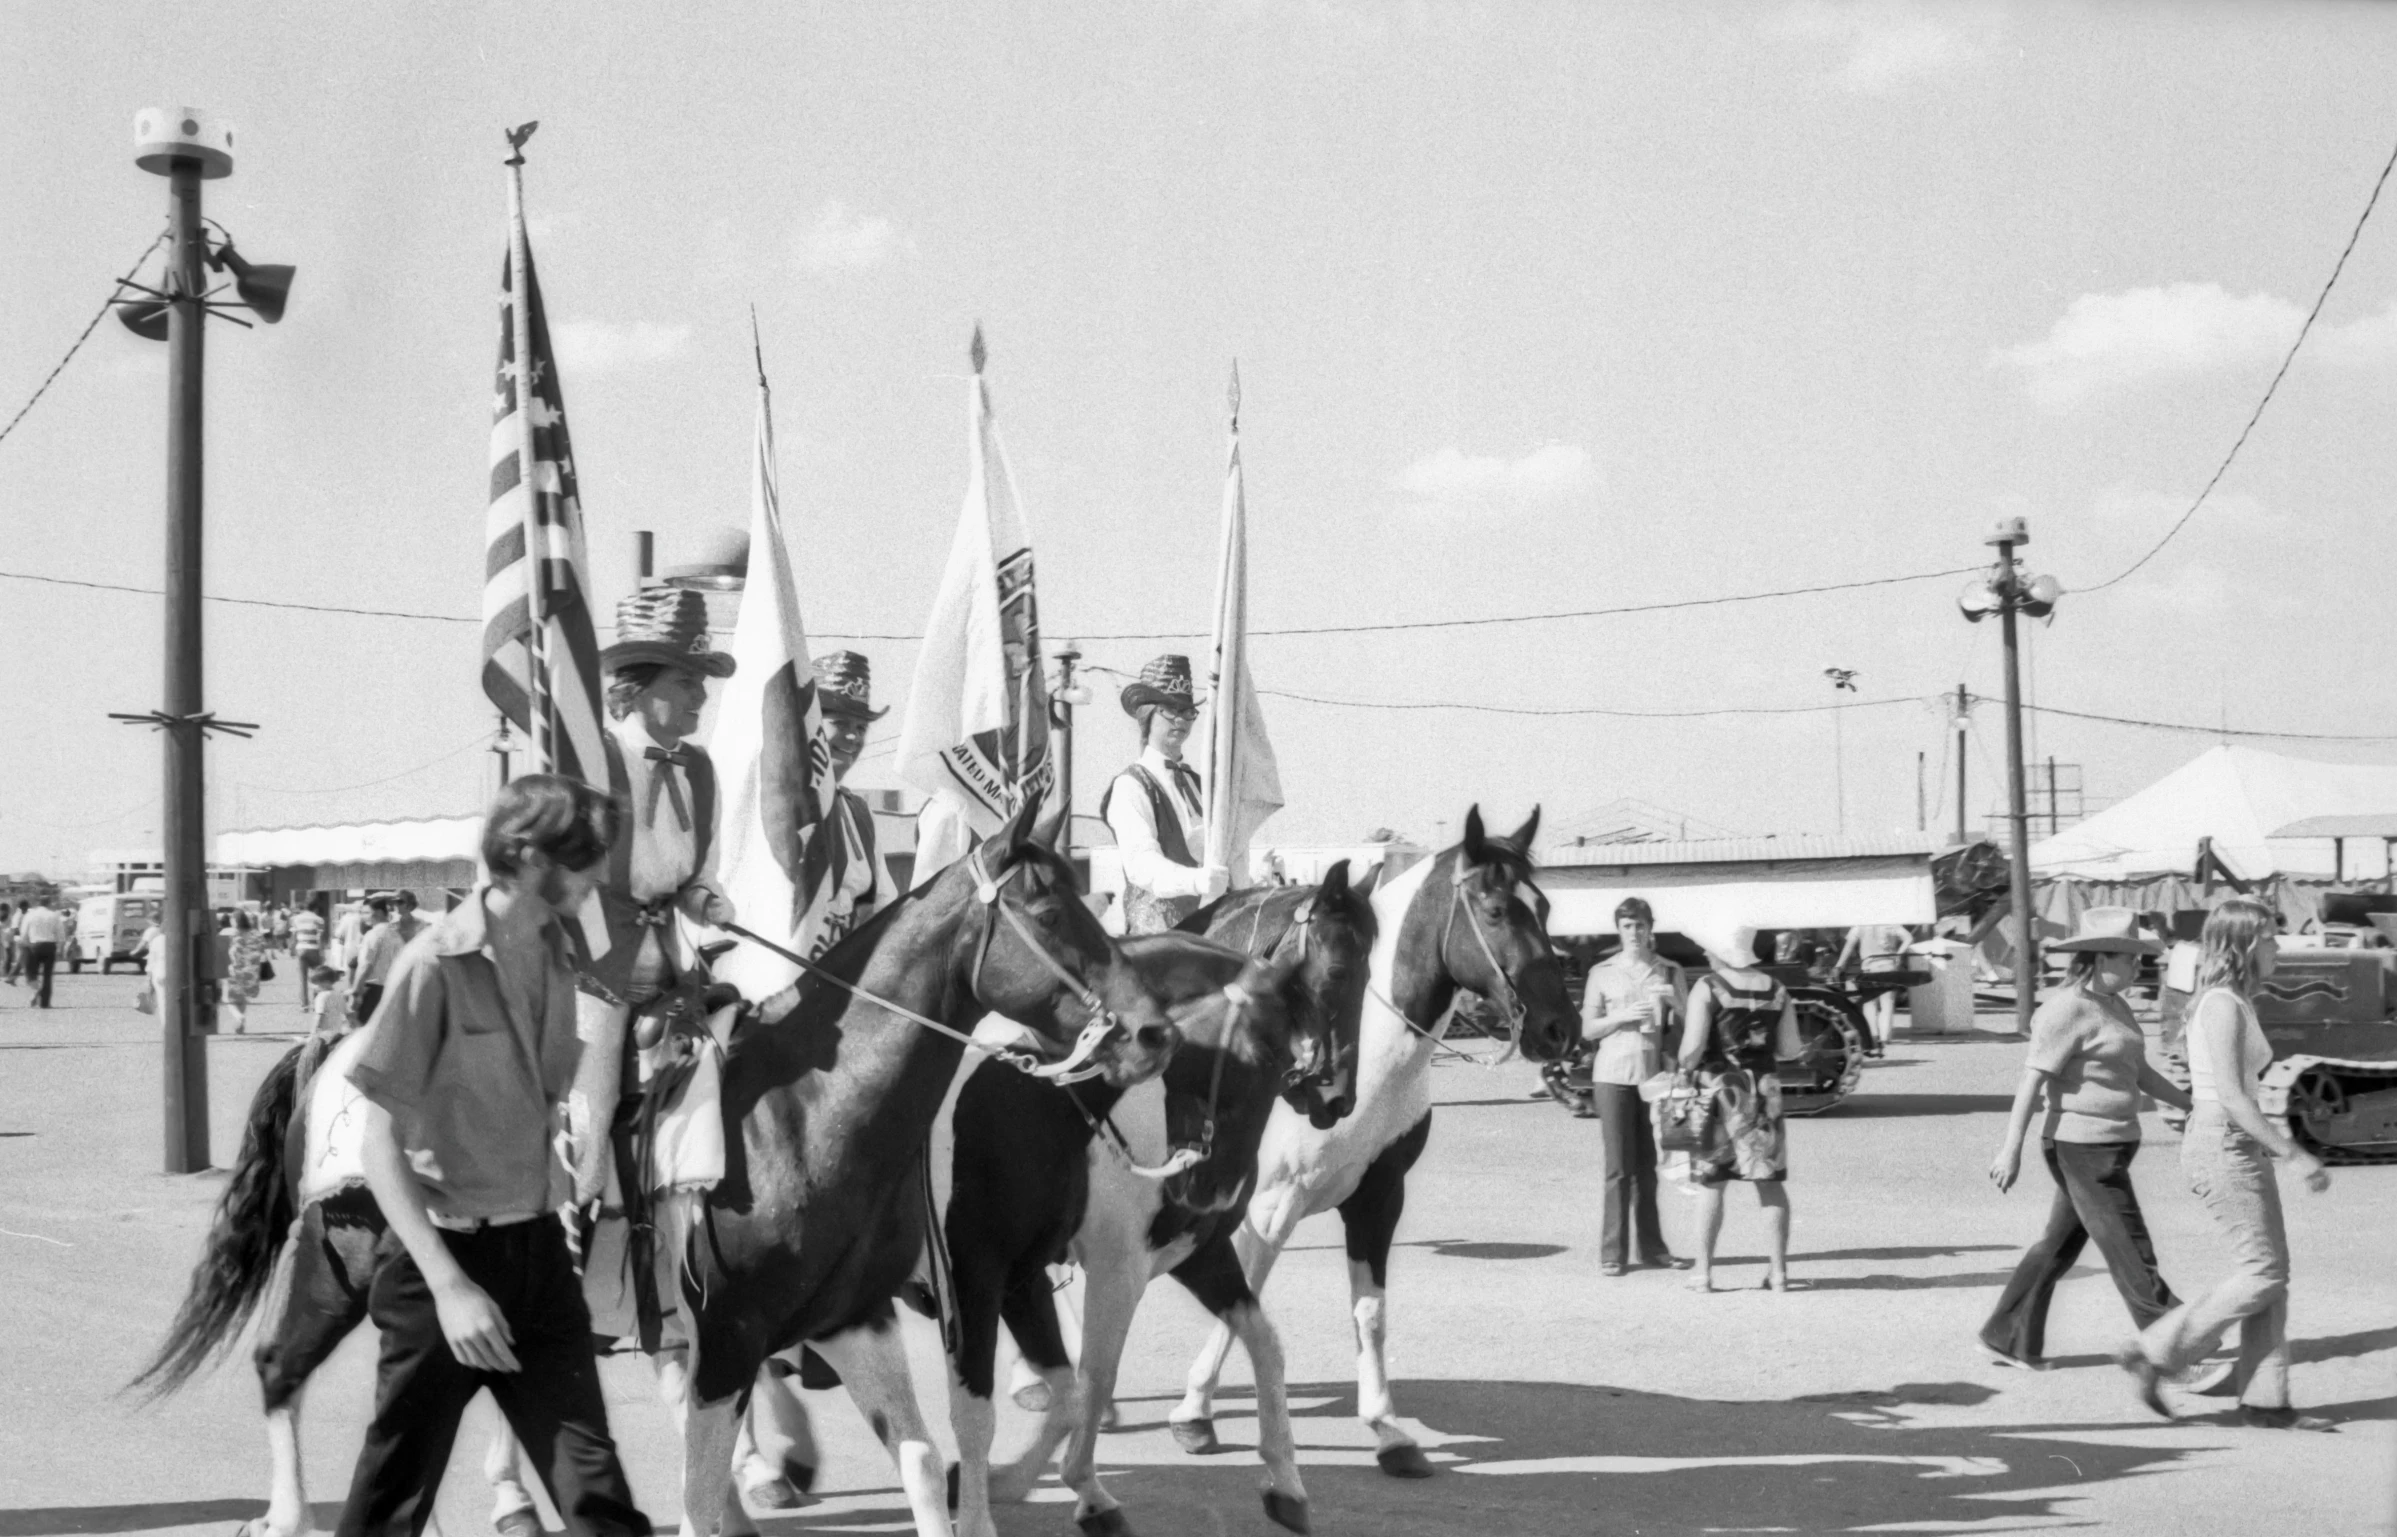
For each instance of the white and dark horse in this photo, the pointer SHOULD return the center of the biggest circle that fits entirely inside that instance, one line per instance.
(1470, 918)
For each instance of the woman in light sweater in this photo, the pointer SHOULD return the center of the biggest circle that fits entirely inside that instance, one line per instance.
(2088, 1062)
(2227, 1151)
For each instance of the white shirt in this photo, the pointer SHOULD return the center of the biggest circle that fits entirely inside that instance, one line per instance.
(1135, 826)
(663, 854)
(40, 926)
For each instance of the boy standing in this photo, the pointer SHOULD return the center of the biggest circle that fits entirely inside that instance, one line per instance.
(463, 1070)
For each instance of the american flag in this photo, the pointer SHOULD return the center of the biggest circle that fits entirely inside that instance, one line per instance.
(543, 678)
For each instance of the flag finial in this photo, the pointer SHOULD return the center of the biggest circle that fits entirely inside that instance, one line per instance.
(758, 346)
(1234, 395)
(516, 138)
(978, 353)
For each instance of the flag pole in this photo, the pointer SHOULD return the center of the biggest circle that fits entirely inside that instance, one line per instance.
(1222, 725)
(520, 310)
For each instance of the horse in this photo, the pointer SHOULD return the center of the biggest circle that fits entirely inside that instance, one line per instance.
(296, 1229)
(1468, 917)
(1023, 1178)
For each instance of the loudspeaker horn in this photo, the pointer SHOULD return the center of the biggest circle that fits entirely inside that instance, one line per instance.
(264, 287)
(145, 318)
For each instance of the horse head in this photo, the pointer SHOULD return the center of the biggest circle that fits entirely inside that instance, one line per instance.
(1331, 934)
(1494, 935)
(1044, 962)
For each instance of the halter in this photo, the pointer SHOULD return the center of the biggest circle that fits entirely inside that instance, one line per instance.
(1512, 1003)
(1182, 1160)
(1302, 925)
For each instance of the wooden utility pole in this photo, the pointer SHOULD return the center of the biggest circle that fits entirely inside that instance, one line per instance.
(1962, 717)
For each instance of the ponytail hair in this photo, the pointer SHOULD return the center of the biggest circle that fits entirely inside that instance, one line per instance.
(2228, 944)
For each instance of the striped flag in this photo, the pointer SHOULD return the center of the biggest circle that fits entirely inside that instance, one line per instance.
(1244, 785)
(540, 652)
(976, 737)
(769, 751)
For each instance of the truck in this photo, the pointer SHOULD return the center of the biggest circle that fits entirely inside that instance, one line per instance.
(109, 926)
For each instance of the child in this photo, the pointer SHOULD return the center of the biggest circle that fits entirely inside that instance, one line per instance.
(331, 1005)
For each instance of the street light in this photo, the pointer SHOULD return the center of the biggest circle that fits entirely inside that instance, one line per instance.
(2006, 592)
(187, 147)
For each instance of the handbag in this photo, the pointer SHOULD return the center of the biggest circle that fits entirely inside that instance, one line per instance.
(146, 1001)
(266, 971)
(1685, 1116)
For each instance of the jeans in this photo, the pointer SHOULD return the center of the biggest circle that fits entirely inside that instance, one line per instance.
(41, 963)
(1630, 1193)
(421, 1390)
(2094, 1199)
(2232, 1175)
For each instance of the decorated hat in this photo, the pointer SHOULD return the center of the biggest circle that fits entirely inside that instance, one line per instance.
(845, 686)
(2114, 929)
(666, 626)
(1164, 681)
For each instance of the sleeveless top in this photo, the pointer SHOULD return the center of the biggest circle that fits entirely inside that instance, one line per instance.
(2255, 1052)
(1742, 1024)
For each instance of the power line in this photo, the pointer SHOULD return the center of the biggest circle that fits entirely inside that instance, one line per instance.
(1496, 709)
(2278, 374)
(85, 335)
(2165, 725)
(215, 597)
(371, 783)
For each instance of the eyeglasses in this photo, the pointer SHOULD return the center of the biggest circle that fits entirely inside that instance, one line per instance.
(1176, 713)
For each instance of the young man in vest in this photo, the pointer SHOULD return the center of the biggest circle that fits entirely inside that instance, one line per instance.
(842, 865)
(1156, 809)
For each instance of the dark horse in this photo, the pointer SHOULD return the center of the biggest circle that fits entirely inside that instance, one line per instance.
(820, 1217)
(1470, 918)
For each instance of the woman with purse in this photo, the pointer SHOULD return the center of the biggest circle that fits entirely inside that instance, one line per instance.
(1739, 1022)
(2088, 1060)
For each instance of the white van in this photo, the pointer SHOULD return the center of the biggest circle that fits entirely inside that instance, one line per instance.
(108, 927)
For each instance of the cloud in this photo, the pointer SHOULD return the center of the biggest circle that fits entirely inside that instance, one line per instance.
(601, 346)
(1551, 474)
(2105, 343)
(1887, 43)
(842, 239)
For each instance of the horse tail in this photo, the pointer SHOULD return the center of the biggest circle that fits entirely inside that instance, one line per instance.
(244, 1241)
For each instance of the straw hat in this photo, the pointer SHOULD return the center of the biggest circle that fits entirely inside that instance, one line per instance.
(2114, 929)
(1164, 681)
(845, 686)
(666, 626)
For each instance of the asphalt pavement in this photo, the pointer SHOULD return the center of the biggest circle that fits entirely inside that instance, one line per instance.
(1552, 1399)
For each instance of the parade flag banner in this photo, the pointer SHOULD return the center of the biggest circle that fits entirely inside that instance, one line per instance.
(770, 754)
(540, 652)
(976, 736)
(1244, 785)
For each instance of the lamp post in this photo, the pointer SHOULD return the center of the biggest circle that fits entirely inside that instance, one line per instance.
(2007, 592)
(187, 147)
(1843, 680)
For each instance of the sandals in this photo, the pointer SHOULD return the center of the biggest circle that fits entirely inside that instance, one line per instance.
(2146, 1378)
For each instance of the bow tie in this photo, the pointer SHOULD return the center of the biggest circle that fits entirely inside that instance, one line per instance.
(662, 781)
(1186, 777)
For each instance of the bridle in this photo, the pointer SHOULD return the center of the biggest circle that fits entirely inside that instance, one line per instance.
(1302, 931)
(1512, 1001)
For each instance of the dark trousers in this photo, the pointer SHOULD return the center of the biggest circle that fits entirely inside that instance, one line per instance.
(364, 1001)
(2094, 1199)
(41, 963)
(1630, 1197)
(421, 1390)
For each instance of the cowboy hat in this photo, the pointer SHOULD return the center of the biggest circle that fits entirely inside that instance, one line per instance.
(666, 627)
(1165, 682)
(2109, 929)
(1730, 944)
(845, 686)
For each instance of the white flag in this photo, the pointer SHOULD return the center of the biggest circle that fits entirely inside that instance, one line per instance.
(1244, 786)
(769, 750)
(976, 736)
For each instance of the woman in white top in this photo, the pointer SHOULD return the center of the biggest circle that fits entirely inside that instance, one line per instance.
(2224, 1152)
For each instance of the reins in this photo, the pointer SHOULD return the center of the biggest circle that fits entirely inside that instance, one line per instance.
(1512, 1003)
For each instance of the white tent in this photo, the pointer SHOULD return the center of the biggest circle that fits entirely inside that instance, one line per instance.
(2237, 796)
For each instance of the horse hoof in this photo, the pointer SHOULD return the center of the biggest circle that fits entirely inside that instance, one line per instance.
(1405, 1461)
(1197, 1437)
(1287, 1511)
(765, 1494)
(1032, 1397)
(1105, 1523)
(518, 1523)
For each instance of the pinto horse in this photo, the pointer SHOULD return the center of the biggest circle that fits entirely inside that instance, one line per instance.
(947, 949)
(1469, 917)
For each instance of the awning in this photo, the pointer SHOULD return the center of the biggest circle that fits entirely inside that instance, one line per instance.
(1844, 894)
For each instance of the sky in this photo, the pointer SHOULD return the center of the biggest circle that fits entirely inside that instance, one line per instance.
(1536, 307)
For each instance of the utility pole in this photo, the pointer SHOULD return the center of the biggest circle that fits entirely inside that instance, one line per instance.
(2006, 591)
(1922, 793)
(1963, 717)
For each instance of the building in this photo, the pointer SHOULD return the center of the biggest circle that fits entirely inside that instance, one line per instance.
(1805, 881)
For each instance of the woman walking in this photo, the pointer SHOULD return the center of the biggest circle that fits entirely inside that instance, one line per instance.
(2088, 1061)
(243, 957)
(1740, 1020)
(2227, 1151)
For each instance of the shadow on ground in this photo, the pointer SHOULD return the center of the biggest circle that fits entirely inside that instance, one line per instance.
(58, 1520)
(1877, 1106)
(1545, 1457)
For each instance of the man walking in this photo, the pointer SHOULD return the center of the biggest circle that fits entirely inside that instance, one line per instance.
(464, 1074)
(1631, 997)
(307, 946)
(38, 930)
(370, 963)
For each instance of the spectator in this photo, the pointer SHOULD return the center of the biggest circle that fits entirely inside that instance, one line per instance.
(1740, 1020)
(348, 930)
(307, 947)
(8, 943)
(243, 958)
(2226, 1151)
(403, 916)
(2088, 1059)
(1631, 997)
(1876, 948)
(372, 965)
(38, 930)
(279, 928)
(329, 1013)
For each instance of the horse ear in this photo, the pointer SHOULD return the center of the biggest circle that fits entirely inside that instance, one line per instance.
(1019, 827)
(1522, 836)
(1474, 837)
(1335, 881)
(1363, 890)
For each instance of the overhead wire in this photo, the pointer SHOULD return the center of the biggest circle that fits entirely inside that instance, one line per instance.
(82, 336)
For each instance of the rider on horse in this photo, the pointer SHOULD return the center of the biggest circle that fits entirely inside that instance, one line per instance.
(1156, 809)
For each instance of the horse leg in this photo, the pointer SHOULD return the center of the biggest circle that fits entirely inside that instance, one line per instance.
(775, 1462)
(1212, 1275)
(872, 1361)
(1370, 1219)
(1273, 1215)
(318, 1299)
(1029, 1308)
(673, 1368)
(1115, 1269)
(979, 1274)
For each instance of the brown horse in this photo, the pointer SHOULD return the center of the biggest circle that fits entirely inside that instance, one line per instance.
(821, 1215)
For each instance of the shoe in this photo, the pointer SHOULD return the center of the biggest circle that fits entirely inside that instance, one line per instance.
(2282, 1419)
(2007, 1358)
(1610, 1268)
(1666, 1262)
(2147, 1380)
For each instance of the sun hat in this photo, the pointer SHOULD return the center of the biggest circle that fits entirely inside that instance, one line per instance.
(1732, 944)
(665, 626)
(845, 685)
(2114, 929)
(1164, 681)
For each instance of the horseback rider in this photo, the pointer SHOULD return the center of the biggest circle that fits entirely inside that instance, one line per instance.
(1156, 809)
(842, 864)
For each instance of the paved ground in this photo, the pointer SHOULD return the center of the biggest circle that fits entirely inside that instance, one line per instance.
(1557, 1401)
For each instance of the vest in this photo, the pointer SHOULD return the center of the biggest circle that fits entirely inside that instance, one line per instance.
(610, 975)
(1144, 911)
